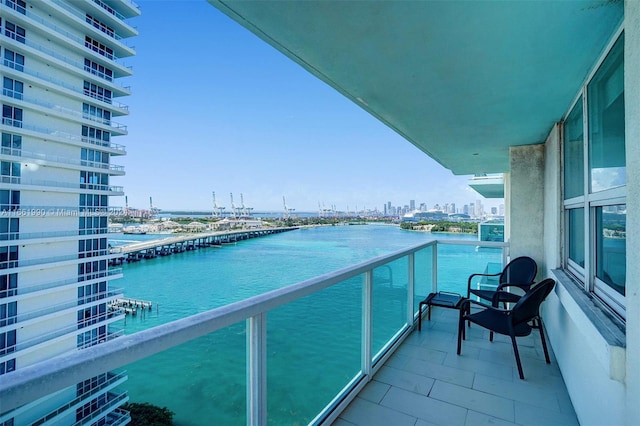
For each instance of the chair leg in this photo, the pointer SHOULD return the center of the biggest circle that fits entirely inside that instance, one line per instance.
(461, 331)
(517, 354)
(544, 342)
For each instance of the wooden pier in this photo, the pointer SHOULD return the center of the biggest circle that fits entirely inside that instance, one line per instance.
(151, 249)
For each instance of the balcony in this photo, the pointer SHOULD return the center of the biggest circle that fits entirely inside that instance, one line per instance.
(63, 161)
(366, 362)
(37, 131)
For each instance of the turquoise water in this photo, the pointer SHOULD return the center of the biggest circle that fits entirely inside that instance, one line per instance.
(313, 343)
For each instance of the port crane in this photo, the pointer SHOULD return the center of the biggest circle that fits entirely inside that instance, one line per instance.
(287, 211)
(234, 211)
(246, 211)
(217, 210)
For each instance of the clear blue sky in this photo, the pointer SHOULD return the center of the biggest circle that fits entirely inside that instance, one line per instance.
(214, 108)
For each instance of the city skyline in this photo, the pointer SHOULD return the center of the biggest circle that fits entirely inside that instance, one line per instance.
(248, 120)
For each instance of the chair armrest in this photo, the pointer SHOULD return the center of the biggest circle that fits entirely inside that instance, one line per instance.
(480, 275)
(523, 287)
(466, 302)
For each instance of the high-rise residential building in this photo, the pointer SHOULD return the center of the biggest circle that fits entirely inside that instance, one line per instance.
(60, 68)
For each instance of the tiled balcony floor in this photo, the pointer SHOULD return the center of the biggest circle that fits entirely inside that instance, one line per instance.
(426, 383)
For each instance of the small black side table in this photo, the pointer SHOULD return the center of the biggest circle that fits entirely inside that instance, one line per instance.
(443, 299)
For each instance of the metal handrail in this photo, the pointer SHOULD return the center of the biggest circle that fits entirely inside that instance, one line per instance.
(38, 380)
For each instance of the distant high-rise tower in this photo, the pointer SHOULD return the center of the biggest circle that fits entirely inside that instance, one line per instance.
(60, 69)
(412, 205)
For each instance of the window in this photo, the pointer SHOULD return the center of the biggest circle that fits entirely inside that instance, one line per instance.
(98, 47)
(594, 185)
(92, 247)
(97, 69)
(12, 88)
(95, 113)
(99, 25)
(18, 5)
(90, 157)
(8, 313)
(7, 342)
(92, 292)
(9, 228)
(95, 136)
(93, 180)
(93, 203)
(13, 60)
(11, 116)
(91, 384)
(9, 200)
(97, 92)
(15, 32)
(11, 144)
(90, 270)
(8, 257)
(92, 315)
(92, 337)
(7, 367)
(8, 285)
(9, 172)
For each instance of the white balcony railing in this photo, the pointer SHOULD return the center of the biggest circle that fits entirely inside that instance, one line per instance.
(386, 292)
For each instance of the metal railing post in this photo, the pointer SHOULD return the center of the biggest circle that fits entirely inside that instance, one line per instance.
(411, 286)
(434, 268)
(257, 370)
(367, 322)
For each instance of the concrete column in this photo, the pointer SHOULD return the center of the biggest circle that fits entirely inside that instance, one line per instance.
(632, 138)
(526, 202)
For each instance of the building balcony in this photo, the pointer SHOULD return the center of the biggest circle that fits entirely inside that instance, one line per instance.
(60, 161)
(27, 18)
(62, 308)
(386, 371)
(63, 137)
(122, 9)
(31, 76)
(38, 343)
(65, 62)
(20, 265)
(19, 100)
(53, 286)
(105, 383)
(41, 211)
(16, 182)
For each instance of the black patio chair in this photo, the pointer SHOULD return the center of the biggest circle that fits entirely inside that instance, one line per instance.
(516, 322)
(520, 272)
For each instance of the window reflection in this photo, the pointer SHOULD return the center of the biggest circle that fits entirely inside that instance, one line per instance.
(576, 236)
(611, 250)
(574, 153)
(606, 122)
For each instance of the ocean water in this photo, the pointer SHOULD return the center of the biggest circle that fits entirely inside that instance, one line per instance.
(313, 344)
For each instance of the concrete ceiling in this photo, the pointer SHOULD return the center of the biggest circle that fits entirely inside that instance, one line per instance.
(461, 80)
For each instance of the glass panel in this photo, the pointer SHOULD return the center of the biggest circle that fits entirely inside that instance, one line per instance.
(457, 262)
(313, 347)
(574, 153)
(423, 280)
(201, 379)
(576, 236)
(389, 301)
(606, 122)
(611, 251)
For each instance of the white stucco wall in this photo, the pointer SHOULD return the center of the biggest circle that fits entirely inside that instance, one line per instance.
(585, 358)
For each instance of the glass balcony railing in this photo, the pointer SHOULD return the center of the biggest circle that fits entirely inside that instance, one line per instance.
(116, 149)
(334, 331)
(30, 155)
